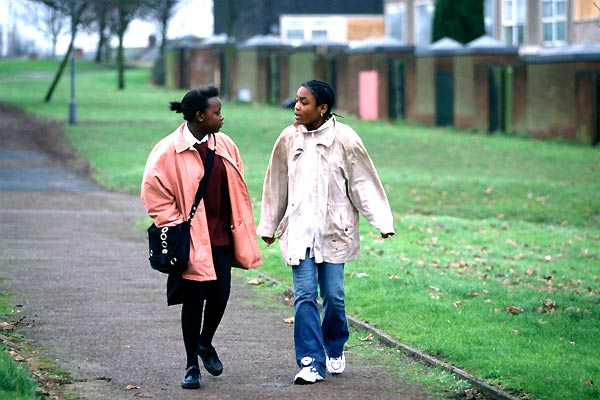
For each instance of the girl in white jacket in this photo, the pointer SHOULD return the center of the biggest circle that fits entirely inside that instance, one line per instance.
(319, 178)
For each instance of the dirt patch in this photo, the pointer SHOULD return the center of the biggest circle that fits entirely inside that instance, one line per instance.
(20, 131)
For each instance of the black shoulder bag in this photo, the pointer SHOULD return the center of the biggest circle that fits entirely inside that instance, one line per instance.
(170, 245)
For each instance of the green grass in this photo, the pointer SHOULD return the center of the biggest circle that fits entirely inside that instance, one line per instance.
(495, 267)
(15, 381)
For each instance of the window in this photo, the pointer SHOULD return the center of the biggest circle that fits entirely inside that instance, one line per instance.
(319, 29)
(295, 34)
(424, 21)
(318, 34)
(394, 23)
(294, 30)
(301, 28)
(554, 21)
(513, 22)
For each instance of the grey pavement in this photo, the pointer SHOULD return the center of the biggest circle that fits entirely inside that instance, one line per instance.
(74, 256)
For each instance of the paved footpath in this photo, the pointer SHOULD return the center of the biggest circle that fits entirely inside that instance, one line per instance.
(74, 254)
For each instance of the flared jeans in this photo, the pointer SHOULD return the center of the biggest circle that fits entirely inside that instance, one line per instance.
(314, 337)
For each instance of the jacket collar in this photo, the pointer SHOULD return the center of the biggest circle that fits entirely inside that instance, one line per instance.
(323, 134)
(181, 142)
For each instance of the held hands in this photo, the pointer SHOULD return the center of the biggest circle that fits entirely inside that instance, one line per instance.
(268, 240)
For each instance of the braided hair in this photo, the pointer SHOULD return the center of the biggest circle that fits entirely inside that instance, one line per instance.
(195, 100)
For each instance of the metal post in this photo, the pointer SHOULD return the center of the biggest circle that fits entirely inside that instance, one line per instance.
(72, 103)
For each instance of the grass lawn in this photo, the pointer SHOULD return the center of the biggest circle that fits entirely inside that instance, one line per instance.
(495, 267)
(15, 381)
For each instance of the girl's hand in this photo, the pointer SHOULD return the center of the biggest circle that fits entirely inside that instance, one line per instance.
(268, 240)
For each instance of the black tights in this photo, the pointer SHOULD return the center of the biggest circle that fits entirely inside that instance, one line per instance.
(208, 298)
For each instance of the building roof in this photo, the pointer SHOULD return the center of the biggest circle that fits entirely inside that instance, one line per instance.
(378, 44)
(488, 45)
(587, 51)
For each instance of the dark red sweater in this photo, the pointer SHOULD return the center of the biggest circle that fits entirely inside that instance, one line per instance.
(216, 201)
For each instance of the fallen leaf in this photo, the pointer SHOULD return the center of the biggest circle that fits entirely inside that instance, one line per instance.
(394, 276)
(457, 303)
(514, 310)
(131, 387)
(516, 332)
(254, 281)
(289, 320)
(368, 338)
(16, 356)
(549, 306)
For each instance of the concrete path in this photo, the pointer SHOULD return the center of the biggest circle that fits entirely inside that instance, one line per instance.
(74, 255)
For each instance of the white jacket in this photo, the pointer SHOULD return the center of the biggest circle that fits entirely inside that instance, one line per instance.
(346, 184)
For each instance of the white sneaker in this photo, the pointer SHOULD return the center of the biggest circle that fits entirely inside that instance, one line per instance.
(336, 365)
(308, 374)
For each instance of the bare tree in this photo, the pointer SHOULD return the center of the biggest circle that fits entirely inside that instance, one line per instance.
(51, 21)
(120, 15)
(100, 25)
(161, 12)
(231, 19)
(75, 10)
(234, 20)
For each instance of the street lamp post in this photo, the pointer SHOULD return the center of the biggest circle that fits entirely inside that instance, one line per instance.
(72, 102)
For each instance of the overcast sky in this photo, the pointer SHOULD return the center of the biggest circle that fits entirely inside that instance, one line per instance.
(194, 17)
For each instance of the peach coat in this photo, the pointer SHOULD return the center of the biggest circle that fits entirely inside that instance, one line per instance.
(171, 178)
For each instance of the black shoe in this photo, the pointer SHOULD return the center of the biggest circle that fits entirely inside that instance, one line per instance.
(191, 380)
(210, 359)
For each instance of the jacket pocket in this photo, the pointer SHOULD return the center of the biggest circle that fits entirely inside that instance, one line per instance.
(340, 227)
(244, 252)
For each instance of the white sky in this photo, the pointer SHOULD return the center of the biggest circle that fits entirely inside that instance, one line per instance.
(193, 17)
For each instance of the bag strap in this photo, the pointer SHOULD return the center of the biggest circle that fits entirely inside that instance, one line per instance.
(208, 164)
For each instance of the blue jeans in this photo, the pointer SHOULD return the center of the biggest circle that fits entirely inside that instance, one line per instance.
(312, 337)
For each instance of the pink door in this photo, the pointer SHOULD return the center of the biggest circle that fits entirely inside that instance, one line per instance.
(367, 93)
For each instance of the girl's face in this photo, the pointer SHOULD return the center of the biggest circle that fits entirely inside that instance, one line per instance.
(211, 120)
(306, 111)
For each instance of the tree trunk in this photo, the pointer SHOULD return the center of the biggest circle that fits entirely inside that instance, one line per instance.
(75, 18)
(101, 42)
(61, 68)
(121, 62)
